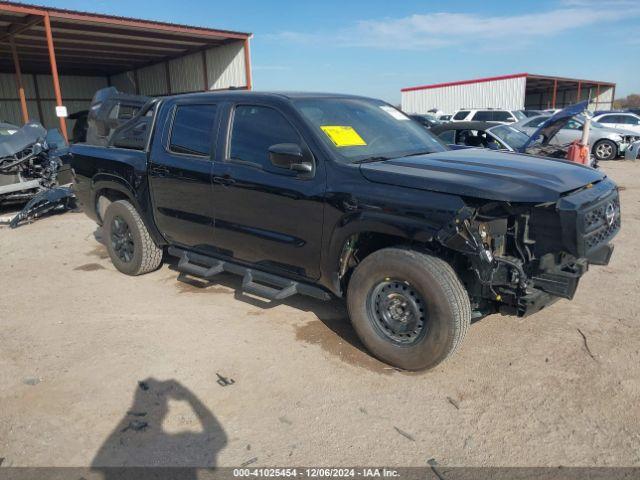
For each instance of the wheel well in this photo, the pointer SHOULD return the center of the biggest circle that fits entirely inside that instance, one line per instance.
(359, 246)
(105, 197)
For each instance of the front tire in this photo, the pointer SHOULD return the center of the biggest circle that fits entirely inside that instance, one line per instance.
(129, 244)
(408, 308)
(605, 150)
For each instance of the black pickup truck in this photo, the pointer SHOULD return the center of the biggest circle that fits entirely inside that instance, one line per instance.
(336, 195)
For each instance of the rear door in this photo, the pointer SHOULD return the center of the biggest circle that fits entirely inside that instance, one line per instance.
(265, 214)
(180, 172)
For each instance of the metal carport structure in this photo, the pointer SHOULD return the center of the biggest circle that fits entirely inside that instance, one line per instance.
(514, 92)
(53, 57)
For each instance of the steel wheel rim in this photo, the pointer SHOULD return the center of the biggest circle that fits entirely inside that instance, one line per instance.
(398, 312)
(604, 150)
(122, 239)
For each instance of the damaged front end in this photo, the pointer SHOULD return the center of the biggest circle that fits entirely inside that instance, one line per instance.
(30, 171)
(518, 258)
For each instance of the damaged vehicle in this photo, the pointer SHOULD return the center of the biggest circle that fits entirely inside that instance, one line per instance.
(606, 143)
(31, 171)
(509, 138)
(343, 196)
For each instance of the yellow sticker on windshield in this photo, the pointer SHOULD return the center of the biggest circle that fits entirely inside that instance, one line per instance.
(343, 135)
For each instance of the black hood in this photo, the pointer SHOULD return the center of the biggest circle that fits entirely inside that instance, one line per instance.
(484, 174)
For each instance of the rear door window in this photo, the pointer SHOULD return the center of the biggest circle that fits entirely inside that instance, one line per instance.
(501, 116)
(192, 130)
(483, 116)
(461, 115)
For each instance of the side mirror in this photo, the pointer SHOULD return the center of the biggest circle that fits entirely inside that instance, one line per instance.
(289, 156)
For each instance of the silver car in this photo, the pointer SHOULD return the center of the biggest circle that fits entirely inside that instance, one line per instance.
(606, 143)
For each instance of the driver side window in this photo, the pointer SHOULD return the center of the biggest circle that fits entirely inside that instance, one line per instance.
(573, 125)
(254, 130)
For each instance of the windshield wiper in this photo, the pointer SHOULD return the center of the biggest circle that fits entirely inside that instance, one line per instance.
(371, 159)
(415, 154)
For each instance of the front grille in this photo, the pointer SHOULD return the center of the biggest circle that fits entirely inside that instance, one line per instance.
(600, 223)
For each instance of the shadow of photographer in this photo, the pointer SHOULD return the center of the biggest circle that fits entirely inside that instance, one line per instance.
(141, 437)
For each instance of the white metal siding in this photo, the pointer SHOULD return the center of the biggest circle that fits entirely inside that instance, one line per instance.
(124, 82)
(226, 67)
(153, 80)
(605, 99)
(187, 73)
(77, 92)
(71, 86)
(506, 93)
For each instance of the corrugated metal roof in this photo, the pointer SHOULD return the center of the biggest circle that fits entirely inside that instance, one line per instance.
(95, 44)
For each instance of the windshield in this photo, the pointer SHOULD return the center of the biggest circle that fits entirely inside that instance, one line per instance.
(519, 115)
(363, 129)
(510, 136)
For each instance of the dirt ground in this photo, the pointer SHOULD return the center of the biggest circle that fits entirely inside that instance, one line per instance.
(77, 338)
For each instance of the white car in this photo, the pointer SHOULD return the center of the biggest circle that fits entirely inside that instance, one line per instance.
(626, 121)
(488, 115)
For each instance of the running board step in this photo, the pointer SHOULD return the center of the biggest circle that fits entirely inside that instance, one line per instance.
(268, 286)
(254, 282)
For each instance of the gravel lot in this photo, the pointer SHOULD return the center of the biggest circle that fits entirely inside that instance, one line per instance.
(77, 337)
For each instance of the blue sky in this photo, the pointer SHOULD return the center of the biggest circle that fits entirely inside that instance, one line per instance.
(376, 47)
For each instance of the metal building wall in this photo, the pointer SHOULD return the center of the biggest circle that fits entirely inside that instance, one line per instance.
(564, 98)
(505, 93)
(225, 67)
(77, 92)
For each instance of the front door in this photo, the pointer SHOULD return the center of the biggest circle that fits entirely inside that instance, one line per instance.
(572, 131)
(180, 173)
(265, 214)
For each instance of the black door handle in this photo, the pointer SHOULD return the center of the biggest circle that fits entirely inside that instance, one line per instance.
(159, 170)
(225, 180)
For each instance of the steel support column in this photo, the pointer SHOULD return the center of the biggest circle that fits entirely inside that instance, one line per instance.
(555, 92)
(21, 95)
(54, 72)
(597, 95)
(247, 64)
(579, 91)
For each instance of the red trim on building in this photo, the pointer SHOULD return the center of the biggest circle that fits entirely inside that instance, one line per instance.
(503, 77)
(465, 82)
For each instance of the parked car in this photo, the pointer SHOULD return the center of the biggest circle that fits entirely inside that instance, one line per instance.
(498, 136)
(606, 143)
(531, 113)
(427, 121)
(487, 115)
(337, 195)
(624, 121)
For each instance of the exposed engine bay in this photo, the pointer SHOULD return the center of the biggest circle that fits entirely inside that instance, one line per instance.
(514, 259)
(31, 170)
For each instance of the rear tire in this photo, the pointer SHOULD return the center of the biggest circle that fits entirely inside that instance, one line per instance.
(408, 308)
(129, 244)
(605, 150)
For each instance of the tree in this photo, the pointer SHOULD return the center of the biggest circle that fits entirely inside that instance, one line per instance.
(630, 101)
